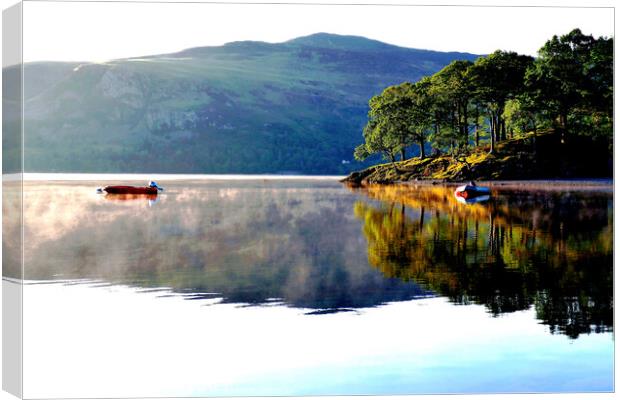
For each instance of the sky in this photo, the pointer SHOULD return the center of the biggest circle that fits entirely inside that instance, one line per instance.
(100, 31)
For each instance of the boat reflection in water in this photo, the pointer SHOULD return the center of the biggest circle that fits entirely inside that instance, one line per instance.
(150, 199)
(550, 249)
(473, 200)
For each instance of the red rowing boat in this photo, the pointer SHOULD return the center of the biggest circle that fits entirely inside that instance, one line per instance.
(130, 190)
(151, 189)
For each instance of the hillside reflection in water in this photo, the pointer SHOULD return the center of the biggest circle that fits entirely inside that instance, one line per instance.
(254, 243)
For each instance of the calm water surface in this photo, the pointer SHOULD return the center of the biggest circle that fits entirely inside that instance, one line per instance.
(295, 287)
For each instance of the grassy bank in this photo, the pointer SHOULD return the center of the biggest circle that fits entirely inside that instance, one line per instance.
(542, 156)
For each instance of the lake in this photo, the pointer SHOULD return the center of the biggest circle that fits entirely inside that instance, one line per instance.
(272, 286)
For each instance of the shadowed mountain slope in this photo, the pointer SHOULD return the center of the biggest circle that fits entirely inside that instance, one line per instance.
(244, 107)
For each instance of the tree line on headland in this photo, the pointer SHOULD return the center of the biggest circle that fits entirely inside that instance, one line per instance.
(567, 89)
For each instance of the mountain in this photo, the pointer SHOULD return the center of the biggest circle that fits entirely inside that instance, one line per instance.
(244, 107)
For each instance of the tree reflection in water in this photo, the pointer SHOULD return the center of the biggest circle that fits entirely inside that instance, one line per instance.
(552, 249)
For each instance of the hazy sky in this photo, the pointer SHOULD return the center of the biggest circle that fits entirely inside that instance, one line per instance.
(95, 31)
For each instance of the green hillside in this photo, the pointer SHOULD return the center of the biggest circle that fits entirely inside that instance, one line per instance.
(245, 107)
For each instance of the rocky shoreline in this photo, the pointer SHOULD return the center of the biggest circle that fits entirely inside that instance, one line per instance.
(532, 157)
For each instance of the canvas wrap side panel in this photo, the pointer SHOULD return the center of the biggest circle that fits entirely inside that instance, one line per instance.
(12, 200)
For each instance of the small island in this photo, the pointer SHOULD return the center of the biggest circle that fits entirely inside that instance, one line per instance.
(504, 116)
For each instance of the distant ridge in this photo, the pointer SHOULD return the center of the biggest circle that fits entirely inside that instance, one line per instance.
(339, 42)
(320, 40)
